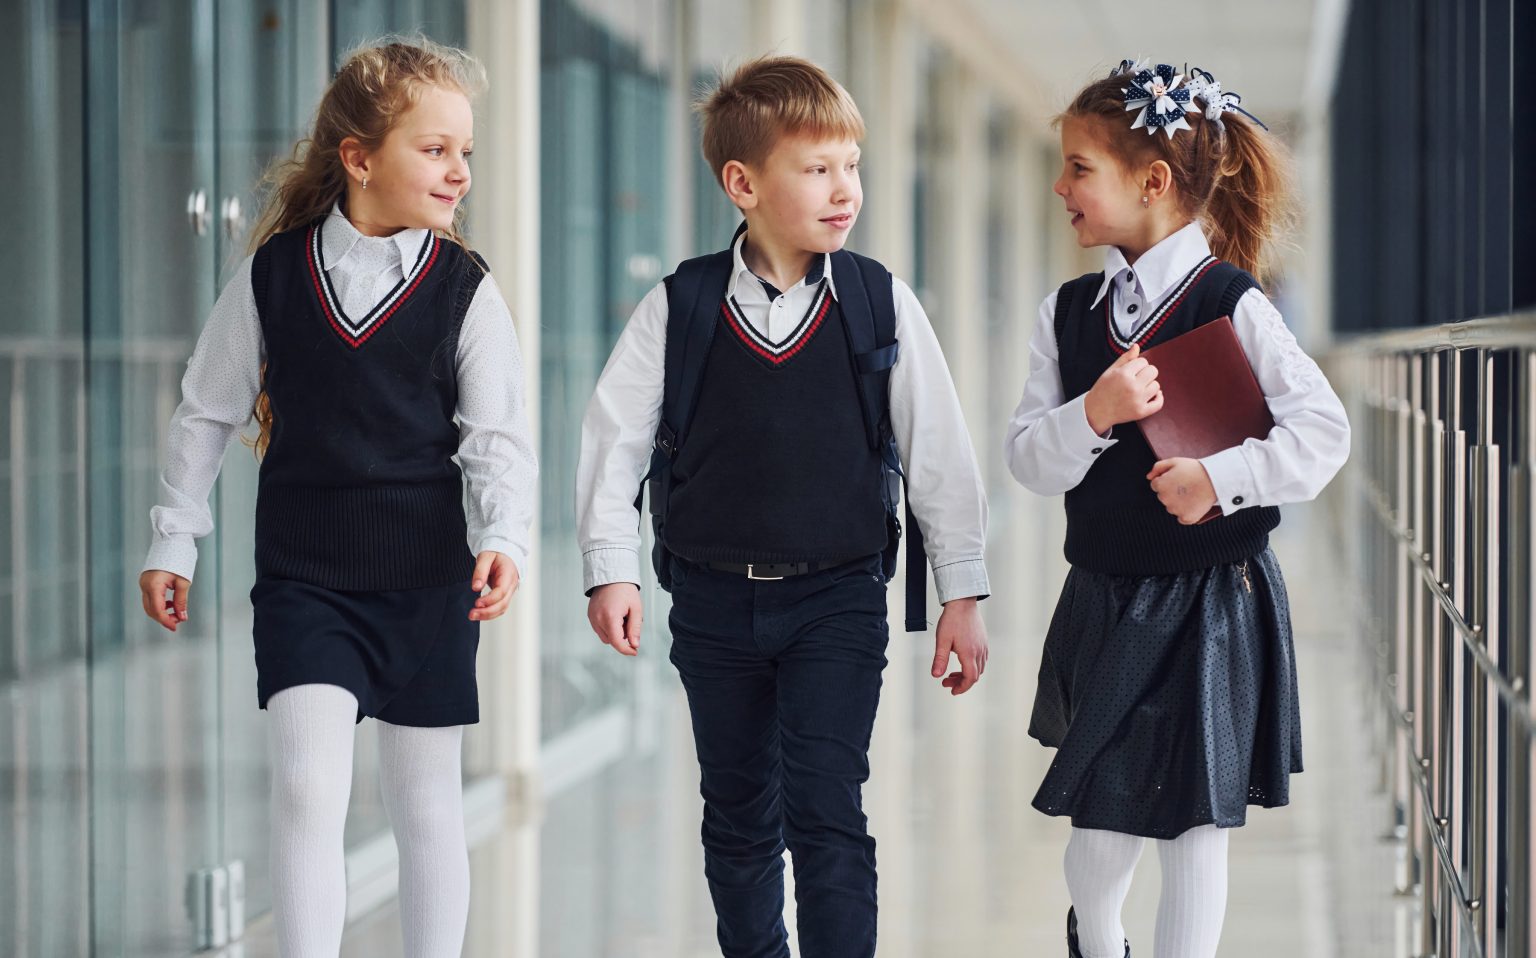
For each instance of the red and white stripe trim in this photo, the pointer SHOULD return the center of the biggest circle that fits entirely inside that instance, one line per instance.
(779, 353)
(1154, 321)
(356, 332)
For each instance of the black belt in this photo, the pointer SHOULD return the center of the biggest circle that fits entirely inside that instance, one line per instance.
(769, 571)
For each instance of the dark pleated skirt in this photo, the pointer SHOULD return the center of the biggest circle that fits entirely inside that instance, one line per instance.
(1171, 700)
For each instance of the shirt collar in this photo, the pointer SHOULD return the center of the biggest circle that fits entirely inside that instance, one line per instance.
(745, 283)
(338, 238)
(1160, 267)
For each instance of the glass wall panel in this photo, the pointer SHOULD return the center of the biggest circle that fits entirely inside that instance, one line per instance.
(273, 64)
(359, 21)
(719, 35)
(607, 140)
(605, 213)
(44, 811)
(151, 279)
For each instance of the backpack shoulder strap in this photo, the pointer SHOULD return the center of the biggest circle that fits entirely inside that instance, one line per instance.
(866, 293)
(694, 294)
(868, 302)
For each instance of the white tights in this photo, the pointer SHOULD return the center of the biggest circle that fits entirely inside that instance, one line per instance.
(312, 728)
(1099, 865)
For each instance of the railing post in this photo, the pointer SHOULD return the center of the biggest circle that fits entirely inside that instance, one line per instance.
(1446, 464)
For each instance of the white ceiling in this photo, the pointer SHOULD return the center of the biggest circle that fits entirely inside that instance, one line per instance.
(1261, 49)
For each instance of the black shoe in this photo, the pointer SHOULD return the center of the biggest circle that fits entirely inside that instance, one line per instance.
(1072, 949)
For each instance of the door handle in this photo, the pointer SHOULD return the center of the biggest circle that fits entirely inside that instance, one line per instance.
(233, 216)
(197, 212)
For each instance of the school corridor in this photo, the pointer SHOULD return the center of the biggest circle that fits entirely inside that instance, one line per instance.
(134, 772)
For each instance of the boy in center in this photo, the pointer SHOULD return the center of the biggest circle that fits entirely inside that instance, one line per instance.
(773, 394)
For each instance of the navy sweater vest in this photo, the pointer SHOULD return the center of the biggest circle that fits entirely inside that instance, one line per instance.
(1115, 523)
(778, 465)
(358, 490)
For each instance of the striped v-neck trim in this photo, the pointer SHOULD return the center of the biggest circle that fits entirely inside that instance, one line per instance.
(776, 354)
(1155, 320)
(356, 332)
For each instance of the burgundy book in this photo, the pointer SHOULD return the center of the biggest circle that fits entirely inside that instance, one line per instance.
(1211, 400)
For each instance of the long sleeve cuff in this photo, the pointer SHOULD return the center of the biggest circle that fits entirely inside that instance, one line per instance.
(508, 548)
(176, 554)
(607, 564)
(1232, 478)
(962, 579)
(1079, 437)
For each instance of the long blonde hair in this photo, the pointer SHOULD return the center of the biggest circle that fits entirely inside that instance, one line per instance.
(1234, 178)
(376, 85)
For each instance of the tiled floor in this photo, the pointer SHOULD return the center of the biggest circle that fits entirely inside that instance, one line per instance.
(611, 868)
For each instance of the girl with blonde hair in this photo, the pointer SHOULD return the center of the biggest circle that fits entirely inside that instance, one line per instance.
(372, 348)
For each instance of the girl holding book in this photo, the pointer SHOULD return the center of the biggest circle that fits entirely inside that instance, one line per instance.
(1167, 683)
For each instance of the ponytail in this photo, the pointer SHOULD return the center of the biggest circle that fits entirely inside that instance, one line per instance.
(1250, 207)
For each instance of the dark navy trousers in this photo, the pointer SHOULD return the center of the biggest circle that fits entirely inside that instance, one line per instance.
(783, 679)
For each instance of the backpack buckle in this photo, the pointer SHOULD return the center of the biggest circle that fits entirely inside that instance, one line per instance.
(666, 440)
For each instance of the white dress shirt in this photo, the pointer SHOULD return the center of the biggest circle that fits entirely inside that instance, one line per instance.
(1050, 446)
(943, 480)
(223, 379)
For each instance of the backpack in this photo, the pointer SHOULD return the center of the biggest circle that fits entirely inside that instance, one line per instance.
(694, 293)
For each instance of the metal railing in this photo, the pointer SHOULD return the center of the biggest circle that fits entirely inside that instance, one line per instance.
(1445, 425)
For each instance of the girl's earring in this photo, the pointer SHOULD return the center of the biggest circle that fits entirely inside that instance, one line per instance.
(365, 186)
(1146, 202)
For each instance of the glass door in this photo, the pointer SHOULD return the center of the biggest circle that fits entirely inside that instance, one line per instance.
(151, 254)
(44, 810)
(272, 66)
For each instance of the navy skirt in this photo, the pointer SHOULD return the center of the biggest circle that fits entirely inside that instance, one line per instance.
(408, 655)
(1171, 700)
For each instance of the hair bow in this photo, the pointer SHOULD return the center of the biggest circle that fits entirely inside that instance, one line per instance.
(1129, 66)
(1161, 99)
(1207, 89)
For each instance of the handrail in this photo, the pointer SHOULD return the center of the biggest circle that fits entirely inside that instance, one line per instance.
(1511, 331)
(1443, 500)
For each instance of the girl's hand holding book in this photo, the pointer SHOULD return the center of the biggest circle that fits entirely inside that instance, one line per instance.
(1125, 392)
(1184, 488)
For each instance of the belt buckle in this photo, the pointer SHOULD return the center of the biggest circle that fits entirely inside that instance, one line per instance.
(761, 578)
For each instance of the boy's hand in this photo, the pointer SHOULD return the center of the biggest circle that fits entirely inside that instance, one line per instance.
(960, 632)
(614, 611)
(1184, 488)
(500, 573)
(153, 584)
(1125, 392)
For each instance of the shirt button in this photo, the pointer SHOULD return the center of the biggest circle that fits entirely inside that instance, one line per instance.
(779, 304)
(1131, 309)
(1130, 277)
(1097, 450)
(1237, 500)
